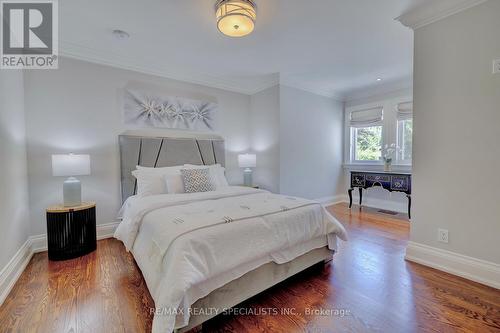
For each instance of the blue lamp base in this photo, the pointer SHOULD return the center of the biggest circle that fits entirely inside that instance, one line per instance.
(247, 177)
(72, 192)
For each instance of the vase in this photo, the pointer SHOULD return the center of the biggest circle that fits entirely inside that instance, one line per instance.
(387, 166)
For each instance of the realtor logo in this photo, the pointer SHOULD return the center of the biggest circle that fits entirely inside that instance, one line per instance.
(29, 34)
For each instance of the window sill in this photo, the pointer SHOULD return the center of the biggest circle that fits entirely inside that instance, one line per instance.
(376, 167)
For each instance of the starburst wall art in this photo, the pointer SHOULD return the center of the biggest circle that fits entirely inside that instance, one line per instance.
(147, 110)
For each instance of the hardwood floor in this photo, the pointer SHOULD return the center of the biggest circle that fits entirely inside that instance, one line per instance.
(368, 280)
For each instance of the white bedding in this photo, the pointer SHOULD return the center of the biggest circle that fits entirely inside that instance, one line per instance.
(188, 245)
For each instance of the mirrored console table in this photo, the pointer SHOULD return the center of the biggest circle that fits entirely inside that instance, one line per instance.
(391, 181)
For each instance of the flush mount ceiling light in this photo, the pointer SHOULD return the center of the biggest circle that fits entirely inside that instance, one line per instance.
(236, 18)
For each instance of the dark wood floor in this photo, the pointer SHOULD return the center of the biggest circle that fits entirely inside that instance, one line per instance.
(368, 281)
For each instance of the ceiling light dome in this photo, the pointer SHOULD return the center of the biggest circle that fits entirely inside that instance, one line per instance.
(236, 18)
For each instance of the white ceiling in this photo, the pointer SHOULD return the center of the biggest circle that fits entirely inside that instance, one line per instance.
(332, 47)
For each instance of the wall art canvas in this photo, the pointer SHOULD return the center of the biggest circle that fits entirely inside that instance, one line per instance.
(149, 110)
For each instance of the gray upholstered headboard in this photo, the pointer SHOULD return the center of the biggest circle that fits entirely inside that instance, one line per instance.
(158, 151)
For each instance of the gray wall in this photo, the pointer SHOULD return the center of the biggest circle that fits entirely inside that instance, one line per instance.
(265, 140)
(77, 109)
(311, 130)
(457, 133)
(296, 135)
(14, 206)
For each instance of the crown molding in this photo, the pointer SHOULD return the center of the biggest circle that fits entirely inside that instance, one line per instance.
(369, 99)
(313, 90)
(75, 51)
(435, 11)
(400, 87)
(266, 84)
(79, 52)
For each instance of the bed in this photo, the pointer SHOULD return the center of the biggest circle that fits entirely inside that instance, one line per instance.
(202, 253)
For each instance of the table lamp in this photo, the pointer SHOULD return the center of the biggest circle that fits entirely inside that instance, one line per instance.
(247, 161)
(71, 165)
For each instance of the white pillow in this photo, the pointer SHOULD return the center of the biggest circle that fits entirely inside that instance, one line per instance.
(150, 181)
(174, 183)
(216, 173)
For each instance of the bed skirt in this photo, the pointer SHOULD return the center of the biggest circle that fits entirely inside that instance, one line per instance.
(251, 284)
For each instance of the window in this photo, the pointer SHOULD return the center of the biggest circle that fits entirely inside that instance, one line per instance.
(372, 126)
(367, 142)
(404, 116)
(405, 134)
(366, 134)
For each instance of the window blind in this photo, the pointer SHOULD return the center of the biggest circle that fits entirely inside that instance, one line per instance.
(367, 117)
(405, 111)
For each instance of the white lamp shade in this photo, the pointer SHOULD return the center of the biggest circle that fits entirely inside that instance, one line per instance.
(247, 160)
(70, 165)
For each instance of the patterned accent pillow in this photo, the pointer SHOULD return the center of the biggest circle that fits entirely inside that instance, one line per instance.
(197, 180)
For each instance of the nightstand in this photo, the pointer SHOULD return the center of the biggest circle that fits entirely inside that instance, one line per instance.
(71, 231)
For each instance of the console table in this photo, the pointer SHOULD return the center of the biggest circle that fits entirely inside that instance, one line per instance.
(391, 181)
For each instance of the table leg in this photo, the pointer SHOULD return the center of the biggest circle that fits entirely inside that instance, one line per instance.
(409, 205)
(360, 195)
(350, 197)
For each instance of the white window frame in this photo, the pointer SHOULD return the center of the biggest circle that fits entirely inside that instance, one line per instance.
(389, 134)
(399, 134)
(352, 145)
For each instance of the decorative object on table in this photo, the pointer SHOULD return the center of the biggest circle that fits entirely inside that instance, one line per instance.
(393, 182)
(71, 165)
(148, 110)
(236, 18)
(388, 155)
(71, 231)
(247, 161)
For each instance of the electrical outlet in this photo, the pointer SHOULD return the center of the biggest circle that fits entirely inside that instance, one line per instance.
(496, 66)
(443, 235)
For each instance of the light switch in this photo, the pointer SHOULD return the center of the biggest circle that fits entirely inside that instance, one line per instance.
(496, 66)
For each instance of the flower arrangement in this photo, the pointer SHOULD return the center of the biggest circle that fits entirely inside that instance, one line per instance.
(388, 152)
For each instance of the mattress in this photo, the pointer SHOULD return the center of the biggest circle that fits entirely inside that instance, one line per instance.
(189, 245)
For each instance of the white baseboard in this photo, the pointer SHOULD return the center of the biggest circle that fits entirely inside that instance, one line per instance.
(331, 200)
(106, 230)
(377, 203)
(477, 270)
(394, 206)
(12, 271)
(367, 202)
(39, 242)
(34, 244)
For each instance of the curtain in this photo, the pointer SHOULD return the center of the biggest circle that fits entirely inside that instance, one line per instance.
(405, 111)
(367, 117)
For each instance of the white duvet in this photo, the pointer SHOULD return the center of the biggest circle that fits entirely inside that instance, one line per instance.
(188, 245)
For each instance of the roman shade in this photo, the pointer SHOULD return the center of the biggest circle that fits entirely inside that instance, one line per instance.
(404, 111)
(367, 117)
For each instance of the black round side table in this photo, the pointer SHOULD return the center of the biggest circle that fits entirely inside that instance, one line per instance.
(71, 231)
